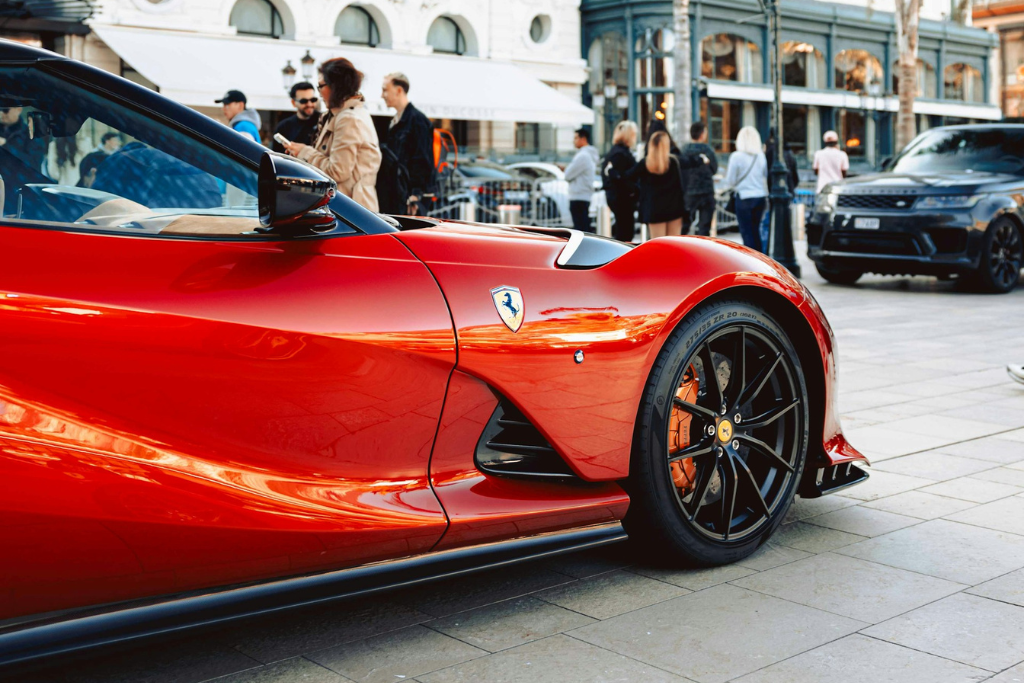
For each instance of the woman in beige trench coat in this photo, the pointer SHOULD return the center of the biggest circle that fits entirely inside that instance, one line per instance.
(346, 146)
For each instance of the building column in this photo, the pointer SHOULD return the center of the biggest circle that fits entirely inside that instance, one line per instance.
(631, 67)
(696, 54)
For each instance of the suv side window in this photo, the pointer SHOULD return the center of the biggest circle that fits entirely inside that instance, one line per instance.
(69, 156)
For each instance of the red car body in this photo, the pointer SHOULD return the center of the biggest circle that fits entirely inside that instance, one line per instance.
(187, 414)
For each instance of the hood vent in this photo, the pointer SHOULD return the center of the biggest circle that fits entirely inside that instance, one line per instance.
(511, 446)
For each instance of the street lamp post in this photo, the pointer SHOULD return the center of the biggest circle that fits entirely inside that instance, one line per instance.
(780, 236)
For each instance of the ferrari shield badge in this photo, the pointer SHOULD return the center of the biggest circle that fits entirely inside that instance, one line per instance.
(509, 302)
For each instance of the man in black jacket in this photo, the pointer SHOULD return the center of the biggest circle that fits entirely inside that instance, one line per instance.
(301, 127)
(411, 139)
(700, 181)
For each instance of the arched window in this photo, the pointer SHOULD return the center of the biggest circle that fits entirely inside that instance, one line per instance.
(859, 71)
(802, 65)
(257, 18)
(654, 59)
(726, 57)
(355, 26)
(926, 85)
(445, 36)
(964, 83)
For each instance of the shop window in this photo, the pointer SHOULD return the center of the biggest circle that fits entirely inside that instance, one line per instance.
(926, 85)
(794, 128)
(355, 26)
(802, 66)
(964, 83)
(724, 118)
(726, 57)
(860, 72)
(257, 18)
(446, 37)
(654, 66)
(856, 130)
(655, 106)
(527, 138)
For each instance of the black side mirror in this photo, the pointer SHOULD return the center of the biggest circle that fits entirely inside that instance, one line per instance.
(293, 197)
(886, 163)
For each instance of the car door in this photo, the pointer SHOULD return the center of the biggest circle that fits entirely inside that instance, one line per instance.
(183, 403)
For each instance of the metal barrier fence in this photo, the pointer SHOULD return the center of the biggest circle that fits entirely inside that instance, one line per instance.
(541, 202)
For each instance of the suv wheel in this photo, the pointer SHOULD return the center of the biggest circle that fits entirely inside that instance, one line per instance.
(1001, 257)
(838, 276)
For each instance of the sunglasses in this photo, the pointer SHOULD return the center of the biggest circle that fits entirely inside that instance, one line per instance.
(321, 86)
(308, 100)
(4, 110)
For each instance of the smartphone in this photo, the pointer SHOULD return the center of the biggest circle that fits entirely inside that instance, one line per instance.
(282, 139)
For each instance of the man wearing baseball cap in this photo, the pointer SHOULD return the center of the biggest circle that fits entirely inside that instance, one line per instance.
(245, 121)
(830, 163)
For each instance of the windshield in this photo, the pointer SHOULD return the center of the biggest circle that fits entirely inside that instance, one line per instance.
(988, 150)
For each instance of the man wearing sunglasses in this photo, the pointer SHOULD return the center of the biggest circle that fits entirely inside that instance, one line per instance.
(302, 126)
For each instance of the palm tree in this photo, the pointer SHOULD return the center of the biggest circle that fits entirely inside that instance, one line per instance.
(683, 98)
(908, 15)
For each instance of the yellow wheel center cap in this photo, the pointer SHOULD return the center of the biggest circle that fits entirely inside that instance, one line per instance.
(725, 431)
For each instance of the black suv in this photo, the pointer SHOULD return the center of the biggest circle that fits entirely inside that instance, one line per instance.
(951, 203)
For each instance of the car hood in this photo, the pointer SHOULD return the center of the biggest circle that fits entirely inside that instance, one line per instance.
(950, 182)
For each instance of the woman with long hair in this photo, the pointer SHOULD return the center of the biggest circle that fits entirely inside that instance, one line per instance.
(620, 190)
(661, 185)
(346, 147)
(747, 175)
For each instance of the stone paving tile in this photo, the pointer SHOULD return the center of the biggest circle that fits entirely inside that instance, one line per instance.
(772, 555)
(557, 659)
(965, 628)
(1007, 588)
(1002, 515)
(466, 592)
(853, 588)
(398, 655)
(935, 465)
(812, 538)
(859, 659)
(183, 660)
(802, 508)
(948, 550)
(293, 633)
(882, 484)
(1006, 416)
(611, 594)
(693, 579)
(950, 428)
(991, 448)
(1012, 675)
(1016, 435)
(920, 505)
(591, 562)
(973, 490)
(879, 442)
(863, 521)
(1002, 475)
(510, 623)
(296, 670)
(717, 634)
(862, 400)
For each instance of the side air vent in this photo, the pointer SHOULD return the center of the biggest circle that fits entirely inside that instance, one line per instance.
(510, 445)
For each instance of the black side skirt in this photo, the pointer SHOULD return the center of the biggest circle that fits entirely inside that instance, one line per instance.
(34, 641)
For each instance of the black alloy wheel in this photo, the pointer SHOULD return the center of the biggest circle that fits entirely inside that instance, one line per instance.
(1002, 257)
(722, 438)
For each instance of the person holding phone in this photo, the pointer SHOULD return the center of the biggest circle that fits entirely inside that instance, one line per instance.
(301, 126)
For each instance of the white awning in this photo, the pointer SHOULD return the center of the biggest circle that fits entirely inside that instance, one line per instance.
(195, 69)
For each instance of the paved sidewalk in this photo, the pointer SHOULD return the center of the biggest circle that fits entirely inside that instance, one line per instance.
(917, 575)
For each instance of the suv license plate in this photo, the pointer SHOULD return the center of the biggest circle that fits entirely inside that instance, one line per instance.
(866, 223)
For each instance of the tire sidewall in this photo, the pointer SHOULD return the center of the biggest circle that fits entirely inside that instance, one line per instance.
(695, 329)
(985, 266)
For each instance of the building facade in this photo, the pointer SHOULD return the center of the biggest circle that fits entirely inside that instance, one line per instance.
(504, 77)
(1005, 18)
(838, 71)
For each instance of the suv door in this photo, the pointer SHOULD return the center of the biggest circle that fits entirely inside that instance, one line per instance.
(183, 403)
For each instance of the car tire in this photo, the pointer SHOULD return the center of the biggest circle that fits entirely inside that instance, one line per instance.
(838, 276)
(707, 513)
(1002, 254)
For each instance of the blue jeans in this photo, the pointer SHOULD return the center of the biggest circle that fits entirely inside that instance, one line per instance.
(748, 215)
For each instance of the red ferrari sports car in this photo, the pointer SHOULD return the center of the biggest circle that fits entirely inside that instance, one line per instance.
(226, 389)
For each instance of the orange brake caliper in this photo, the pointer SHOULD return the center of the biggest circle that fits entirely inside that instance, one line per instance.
(683, 471)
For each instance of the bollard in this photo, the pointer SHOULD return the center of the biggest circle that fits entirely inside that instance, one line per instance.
(509, 214)
(467, 212)
(604, 221)
(799, 218)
